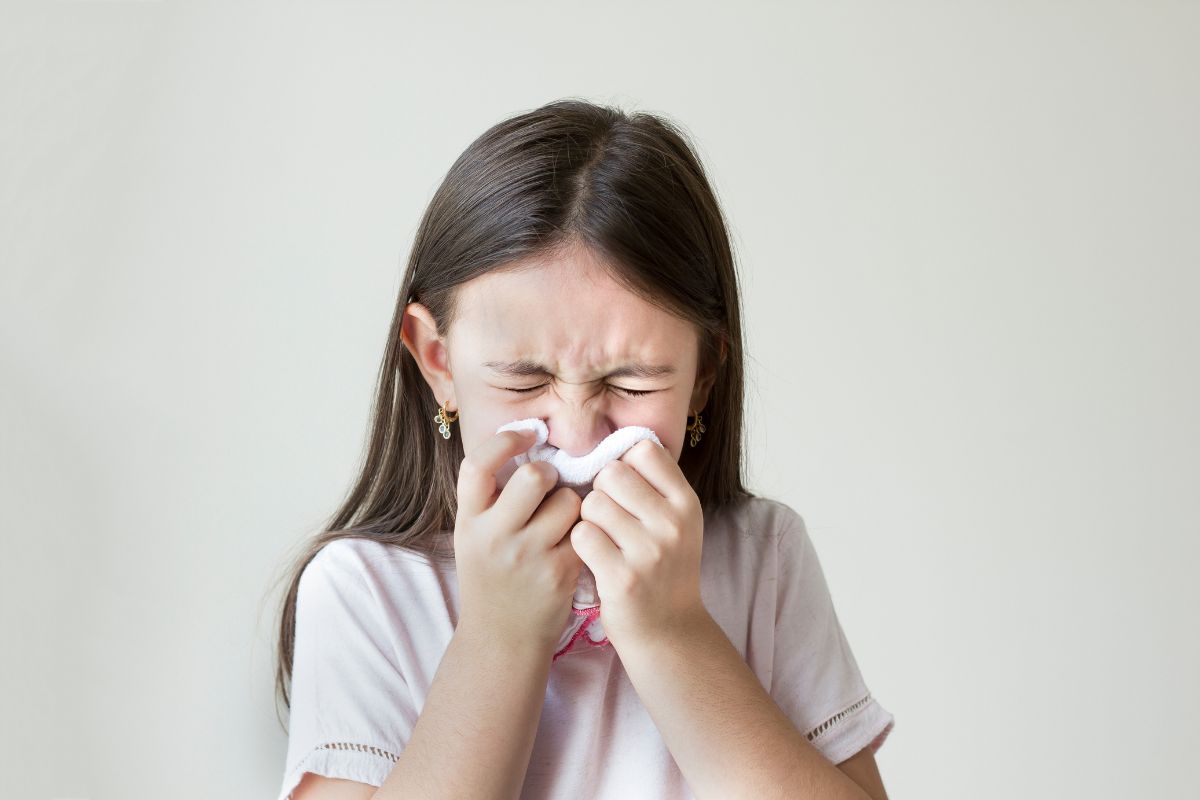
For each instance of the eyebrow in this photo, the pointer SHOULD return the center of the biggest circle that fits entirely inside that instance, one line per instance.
(525, 367)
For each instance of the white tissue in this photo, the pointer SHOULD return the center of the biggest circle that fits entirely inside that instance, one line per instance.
(578, 472)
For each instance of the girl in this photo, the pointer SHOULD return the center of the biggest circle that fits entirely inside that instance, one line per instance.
(573, 268)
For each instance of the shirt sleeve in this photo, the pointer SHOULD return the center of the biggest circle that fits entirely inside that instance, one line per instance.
(816, 680)
(351, 710)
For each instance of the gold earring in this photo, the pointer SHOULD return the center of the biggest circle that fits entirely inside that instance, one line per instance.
(695, 429)
(443, 420)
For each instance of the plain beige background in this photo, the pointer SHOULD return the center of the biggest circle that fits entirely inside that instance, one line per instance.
(969, 239)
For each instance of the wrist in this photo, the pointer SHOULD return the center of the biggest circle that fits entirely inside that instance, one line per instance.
(493, 637)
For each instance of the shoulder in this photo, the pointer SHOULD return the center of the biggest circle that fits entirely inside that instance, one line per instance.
(363, 556)
(356, 590)
(757, 517)
(370, 569)
(755, 539)
(349, 553)
(386, 580)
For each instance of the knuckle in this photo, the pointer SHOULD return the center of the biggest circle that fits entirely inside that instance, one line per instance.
(529, 472)
(537, 475)
(601, 480)
(674, 529)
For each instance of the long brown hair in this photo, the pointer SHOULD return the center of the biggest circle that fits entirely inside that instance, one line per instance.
(630, 187)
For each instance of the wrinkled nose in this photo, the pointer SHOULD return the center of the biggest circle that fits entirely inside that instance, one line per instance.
(577, 436)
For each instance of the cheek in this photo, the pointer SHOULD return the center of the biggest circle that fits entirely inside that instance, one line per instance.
(663, 418)
(477, 423)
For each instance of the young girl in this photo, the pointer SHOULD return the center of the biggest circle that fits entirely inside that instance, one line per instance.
(573, 268)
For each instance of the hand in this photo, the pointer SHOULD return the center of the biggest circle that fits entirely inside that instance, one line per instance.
(516, 568)
(641, 533)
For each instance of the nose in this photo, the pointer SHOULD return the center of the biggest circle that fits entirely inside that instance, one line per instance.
(577, 434)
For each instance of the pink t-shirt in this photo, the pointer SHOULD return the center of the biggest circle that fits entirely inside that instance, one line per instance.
(373, 621)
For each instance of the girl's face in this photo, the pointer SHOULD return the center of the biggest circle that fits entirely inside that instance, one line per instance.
(561, 341)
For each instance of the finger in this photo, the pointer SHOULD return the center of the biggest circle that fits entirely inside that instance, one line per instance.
(520, 498)
(595, 549)
(477, 472)
(551, 522)
(602, 511)
(657, 468)
(624, 484)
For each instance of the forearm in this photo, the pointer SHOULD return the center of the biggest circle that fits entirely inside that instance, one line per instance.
(727, 735)
(475, 733)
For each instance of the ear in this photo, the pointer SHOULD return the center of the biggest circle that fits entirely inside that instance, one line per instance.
(418, 331)
(705, 380)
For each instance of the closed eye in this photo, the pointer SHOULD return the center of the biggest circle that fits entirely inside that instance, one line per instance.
(630, 392)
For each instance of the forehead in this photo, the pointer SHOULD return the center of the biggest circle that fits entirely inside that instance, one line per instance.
(570, 315)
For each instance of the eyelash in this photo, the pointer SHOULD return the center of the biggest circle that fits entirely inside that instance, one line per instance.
(630, 392)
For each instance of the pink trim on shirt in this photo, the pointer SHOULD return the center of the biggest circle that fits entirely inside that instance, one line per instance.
(591, 614)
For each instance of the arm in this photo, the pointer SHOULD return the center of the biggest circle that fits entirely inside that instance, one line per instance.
(728, 736)
(863, 770)
(475, 733)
